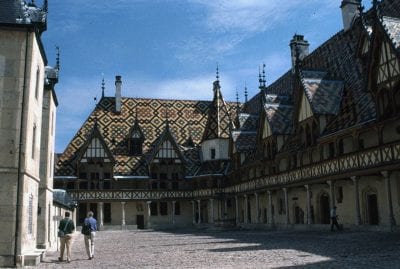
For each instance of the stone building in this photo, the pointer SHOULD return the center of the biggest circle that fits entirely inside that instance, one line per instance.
(27, 127)
(326, 133)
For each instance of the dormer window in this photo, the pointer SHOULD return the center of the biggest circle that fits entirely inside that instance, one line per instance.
(212, 154)
(136, 142)
(136, 139)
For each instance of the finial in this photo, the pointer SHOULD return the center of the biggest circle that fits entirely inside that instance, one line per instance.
(237, 97)
(259, 76)
(58, 58)
(217, 76)
(95, 111)
(102, 86)
(245, 92)
(45, 5)
(263, 75)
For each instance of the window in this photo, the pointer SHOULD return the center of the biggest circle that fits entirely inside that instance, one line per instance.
(37, 83)
(136, 146)
(153, 209)
(82, 175)
(175, 185)
(175, 176)
(177, 208)
(33, 141)
(163, 185)
(212, 154)
(154, 185)
(163, 208)
(163, 176)
(83, 185)
(361, 144)
(331, 150)
(30, 214)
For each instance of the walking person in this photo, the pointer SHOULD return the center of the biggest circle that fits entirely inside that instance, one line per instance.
(334, 219)
(89, 229)
(66, 228)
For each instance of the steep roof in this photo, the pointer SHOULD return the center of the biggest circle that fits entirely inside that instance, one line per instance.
(219, 123)
(323, 94)
(186, 119)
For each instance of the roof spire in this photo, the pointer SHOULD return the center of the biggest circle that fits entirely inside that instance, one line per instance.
(102, 86)
(95, 111)
(259, 76)
(245, 92)
(263, 75)
(217, 73)
(58, 58)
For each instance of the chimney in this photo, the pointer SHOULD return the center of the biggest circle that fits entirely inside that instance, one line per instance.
(298, 48)
(118, 84)
(350, 11)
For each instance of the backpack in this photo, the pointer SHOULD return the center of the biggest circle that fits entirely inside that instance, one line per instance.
(86, 228)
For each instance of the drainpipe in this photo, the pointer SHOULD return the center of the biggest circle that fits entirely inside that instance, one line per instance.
(18, 211)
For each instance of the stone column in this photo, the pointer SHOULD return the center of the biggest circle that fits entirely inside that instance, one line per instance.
(270, 216)
(225, 209)
(148, 214)
(100, 210)
(199, 212)
(257, 208)
(236, 210)
(211, 211)
(246, 213)
(123, 213)
(286, 206)
(173, 212)
(331, 193)
(309, 220)
(386, 176)
(194, 213)
(357, 200)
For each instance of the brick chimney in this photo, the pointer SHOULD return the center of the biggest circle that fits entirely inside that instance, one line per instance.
(350, 11)
(118, 84)
(298, 48)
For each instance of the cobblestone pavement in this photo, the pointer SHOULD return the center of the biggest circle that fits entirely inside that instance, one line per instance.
(235, 249)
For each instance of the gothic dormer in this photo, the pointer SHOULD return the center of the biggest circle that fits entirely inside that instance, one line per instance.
(136, 139)
(95, 150)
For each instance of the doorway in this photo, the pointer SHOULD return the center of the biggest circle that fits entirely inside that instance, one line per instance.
(372, 209)
(140, 221)
(324, 208)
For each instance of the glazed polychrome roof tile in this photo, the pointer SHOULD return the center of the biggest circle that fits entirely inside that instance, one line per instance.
(186, 119)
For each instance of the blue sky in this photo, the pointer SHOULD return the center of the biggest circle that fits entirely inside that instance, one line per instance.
(170, 48)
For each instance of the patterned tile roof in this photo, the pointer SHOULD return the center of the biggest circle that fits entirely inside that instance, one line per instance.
(323, 94)
(279, 117)
(10, 11)
(244, 141)
(248, 122)
(392, 27)
(219, 123)
(186, 119)
(338, 58)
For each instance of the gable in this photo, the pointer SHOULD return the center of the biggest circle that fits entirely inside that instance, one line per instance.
(95, 149)
(305, 111)
(266, 130)
(388, 64)
(167, 151)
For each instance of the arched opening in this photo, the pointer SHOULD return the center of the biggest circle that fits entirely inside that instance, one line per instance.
(324, 208)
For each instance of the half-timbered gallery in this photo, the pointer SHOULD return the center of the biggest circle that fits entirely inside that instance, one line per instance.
(324, 134)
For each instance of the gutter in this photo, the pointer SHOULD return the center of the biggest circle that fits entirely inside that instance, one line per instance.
(19, 174)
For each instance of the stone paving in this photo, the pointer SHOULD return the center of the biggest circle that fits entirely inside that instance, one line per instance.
(235, 249)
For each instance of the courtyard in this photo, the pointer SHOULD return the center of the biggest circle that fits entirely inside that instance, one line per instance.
(234, 249)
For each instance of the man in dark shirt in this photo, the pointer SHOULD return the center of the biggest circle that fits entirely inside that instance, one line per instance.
(89, 238)
(67, 226)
